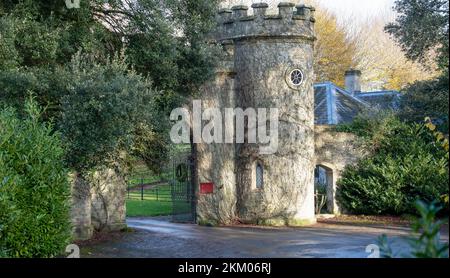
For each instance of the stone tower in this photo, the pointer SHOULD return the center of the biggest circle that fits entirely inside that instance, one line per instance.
(268, 63)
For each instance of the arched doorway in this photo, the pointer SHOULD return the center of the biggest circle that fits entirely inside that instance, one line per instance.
(325, 183)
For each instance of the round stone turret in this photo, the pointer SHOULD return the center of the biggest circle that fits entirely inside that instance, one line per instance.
(274, 69)
(272, 64)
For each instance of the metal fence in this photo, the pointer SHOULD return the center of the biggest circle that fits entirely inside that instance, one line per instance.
(145, 192)
(173, 185)
(145, 186)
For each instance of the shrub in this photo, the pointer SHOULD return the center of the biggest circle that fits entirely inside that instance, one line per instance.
(9, 56)
(34, 190)
(47, 86)
(406, 164)
(104, 106)
(425, 242)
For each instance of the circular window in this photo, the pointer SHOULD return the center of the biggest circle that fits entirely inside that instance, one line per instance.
(296, 77)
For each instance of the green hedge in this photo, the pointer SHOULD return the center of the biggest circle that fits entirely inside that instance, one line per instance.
(406, 165)
(34, 189)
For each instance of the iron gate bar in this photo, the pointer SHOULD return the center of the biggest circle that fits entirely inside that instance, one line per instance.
(182, 188)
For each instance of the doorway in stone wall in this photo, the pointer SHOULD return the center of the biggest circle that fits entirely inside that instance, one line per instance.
(324, 189)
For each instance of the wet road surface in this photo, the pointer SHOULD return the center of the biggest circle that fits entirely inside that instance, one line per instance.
(159, 238)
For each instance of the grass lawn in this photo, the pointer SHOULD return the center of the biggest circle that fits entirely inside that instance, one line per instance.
(160, 193)
(157, 200)
(148, 208)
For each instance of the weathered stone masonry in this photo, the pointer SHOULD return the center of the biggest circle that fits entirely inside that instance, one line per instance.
(334, 151)
(98, 205)
(262, 51)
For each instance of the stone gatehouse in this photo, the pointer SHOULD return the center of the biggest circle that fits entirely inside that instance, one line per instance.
(267, 61)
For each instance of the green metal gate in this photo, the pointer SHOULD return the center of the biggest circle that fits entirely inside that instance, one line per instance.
(183, 189)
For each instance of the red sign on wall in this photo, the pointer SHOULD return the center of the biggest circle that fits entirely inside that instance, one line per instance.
(207, 188)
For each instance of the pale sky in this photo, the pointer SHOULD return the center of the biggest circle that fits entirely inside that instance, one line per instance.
(365, 7)
(358, 8)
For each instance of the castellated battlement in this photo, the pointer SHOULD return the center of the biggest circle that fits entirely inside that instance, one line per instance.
(291, 21)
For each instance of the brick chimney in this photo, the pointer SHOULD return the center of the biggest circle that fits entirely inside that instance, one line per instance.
(353, 81)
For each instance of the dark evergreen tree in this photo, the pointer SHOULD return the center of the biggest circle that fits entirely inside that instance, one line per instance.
(422, 30)
(422, 27)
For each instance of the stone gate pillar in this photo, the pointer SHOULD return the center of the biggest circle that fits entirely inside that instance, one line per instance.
(81, 208)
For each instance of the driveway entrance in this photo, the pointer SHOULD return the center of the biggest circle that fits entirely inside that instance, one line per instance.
(159, 238)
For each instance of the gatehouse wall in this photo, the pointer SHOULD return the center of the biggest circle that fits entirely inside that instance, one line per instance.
(98, 205)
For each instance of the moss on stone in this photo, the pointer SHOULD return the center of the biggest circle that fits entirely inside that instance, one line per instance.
(301, 222)
(207, 223)
(275, 222)
(280, 222)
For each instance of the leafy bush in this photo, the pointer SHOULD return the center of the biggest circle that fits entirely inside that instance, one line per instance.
(407, 163)
(47, 85)
(428, 243)
(151, 147)
(34, 190)
(9, 56)
(104, 106)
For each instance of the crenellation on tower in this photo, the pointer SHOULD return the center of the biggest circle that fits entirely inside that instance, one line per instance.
(224, 15)
(260, 10)
(305, 12)
(286, 10)
(239, 11)
(291, 21)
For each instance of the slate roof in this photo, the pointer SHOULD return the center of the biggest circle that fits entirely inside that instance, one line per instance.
(334, 105)
(381, 99)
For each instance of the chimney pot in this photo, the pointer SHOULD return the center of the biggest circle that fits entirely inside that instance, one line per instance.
(353, 81)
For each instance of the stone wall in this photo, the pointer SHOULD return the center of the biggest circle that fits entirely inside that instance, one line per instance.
(108, 194)
(334, 151)
(216, 162)
(80, 212)
(98, 205)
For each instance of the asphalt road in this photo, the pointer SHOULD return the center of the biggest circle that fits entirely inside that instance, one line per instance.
(159, 238)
